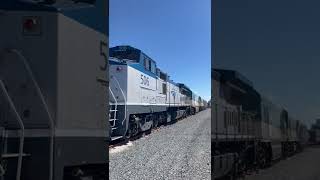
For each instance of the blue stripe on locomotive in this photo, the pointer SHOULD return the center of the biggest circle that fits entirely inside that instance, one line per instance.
(136, 66)
(141, 68)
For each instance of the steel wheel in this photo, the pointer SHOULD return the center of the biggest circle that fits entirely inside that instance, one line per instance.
(262, 159)
(133, 129)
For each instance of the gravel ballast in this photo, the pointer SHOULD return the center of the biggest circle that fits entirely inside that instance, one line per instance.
(177, 151)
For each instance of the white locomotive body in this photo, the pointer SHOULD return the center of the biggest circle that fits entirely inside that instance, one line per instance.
(141, 95)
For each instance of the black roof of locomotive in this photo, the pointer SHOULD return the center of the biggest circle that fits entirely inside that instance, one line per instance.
(234, 76)
(240, 90)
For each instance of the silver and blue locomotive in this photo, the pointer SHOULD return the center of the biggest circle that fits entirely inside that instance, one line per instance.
(143, 96)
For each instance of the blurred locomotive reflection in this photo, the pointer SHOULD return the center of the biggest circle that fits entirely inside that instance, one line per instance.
(315, 132)
(248, 130)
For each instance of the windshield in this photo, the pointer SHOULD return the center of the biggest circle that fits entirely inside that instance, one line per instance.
(123, 54)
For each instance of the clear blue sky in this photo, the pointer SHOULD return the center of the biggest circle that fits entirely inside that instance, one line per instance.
(175, 33)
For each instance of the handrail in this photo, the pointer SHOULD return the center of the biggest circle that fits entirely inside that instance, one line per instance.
(20, 122)
(113, 95)
(15, 51)
(125, 100)
(115, 109)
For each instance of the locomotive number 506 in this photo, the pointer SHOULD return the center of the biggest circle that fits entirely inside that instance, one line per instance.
(144, 80)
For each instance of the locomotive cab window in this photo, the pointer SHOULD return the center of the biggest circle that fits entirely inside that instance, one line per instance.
(149, 66)
(158, 72)
(153, 67)
(163, 76)
(146, 64)
(164, 88)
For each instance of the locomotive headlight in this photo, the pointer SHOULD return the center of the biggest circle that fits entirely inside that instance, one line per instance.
(31, 26)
